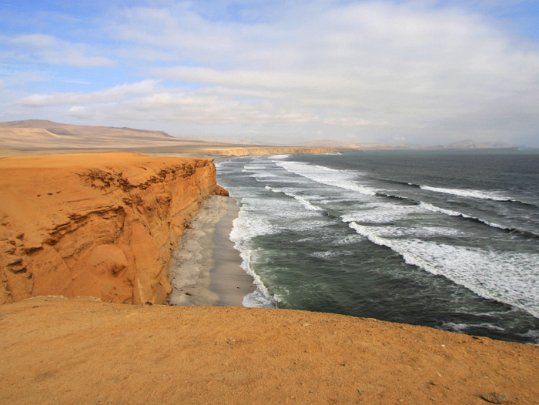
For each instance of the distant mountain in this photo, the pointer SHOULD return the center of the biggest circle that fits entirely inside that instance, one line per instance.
(48, 135)
(469, 144)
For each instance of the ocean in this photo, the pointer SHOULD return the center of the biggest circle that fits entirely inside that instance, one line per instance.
(443, 239)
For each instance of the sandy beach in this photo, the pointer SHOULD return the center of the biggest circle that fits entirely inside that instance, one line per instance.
(206, 270)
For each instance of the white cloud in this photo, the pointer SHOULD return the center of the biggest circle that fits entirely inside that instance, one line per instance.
(112, 95)
(54, 51)
(369, 71)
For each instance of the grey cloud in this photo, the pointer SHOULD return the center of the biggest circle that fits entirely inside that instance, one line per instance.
(359, 72)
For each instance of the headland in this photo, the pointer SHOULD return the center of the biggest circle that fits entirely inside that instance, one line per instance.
(87, 241)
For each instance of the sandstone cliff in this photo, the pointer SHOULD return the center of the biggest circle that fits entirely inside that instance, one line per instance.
(100, 225)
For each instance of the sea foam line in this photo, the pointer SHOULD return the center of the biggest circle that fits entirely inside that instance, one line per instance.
(484, 273)
(480, 194)
(326, 175)
(261, 297)
(434, 208)
(300, 199)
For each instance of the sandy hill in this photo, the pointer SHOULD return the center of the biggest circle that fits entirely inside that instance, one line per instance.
(31, 135)
(46, 136)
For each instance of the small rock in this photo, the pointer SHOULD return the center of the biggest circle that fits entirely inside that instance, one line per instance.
(493, 397)
(219, 190)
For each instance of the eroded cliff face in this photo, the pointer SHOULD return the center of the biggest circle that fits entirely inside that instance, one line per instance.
(101, 225)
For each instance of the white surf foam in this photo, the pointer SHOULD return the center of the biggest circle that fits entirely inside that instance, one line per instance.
(325, 175)
(452, 213)
(461, 192)
(328, 254)
(300, 199)
(419, 232)
(244, 228)
(507, 277)
(380, 213)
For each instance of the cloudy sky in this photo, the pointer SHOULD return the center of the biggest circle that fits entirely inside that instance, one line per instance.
(281, 72)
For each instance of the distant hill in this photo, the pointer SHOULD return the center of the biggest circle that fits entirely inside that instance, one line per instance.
(35, 135)
(469, 144)
(46, 136)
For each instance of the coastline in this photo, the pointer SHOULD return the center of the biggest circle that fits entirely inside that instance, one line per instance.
(206, 269)
(228, 280)
(77, 350)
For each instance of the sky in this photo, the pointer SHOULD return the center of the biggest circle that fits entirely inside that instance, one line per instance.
(422, 72)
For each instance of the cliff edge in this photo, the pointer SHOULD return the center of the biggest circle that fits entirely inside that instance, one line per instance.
(101, 225)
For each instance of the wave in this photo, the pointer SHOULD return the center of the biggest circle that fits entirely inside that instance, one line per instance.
(483, 272)
(480, 194)
(380, 213)
(395, 197)
(402, 183)
(452, 213)
(300, 199)
(325, 175)
(245, 228)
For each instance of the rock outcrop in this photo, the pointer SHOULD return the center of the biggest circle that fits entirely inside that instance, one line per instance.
(101, 225)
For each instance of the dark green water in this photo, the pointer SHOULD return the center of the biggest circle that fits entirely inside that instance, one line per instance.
(449, 240)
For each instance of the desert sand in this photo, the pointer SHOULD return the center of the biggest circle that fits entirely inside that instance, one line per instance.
(19, 137)
(74, 352)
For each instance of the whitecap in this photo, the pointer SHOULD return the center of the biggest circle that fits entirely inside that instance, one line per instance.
(461, 192)
(325, 175)
(507, 277)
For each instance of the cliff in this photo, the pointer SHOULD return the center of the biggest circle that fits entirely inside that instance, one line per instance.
(101, 225)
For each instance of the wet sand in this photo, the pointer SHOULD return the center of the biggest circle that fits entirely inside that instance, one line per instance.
(228, 280)
(206, 269)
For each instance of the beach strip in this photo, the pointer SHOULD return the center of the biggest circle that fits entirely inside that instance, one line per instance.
(206, 269)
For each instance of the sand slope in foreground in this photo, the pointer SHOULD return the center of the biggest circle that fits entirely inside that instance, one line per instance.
(67, 351)
(100, 225)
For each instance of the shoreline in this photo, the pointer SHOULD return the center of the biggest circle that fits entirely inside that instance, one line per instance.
(84, 350)
(206, 269)
(227, 278)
